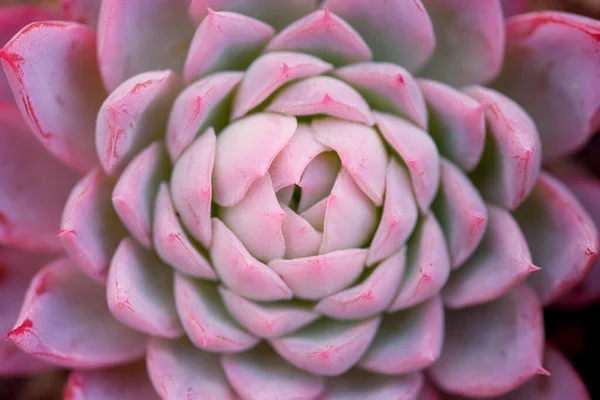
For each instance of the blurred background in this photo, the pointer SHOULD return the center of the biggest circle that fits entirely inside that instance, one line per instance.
(575, 332)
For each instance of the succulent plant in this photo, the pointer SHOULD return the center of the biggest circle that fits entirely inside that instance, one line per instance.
(266, 199)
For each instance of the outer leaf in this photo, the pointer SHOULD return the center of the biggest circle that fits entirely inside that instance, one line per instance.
(428, 265)
(267, 319)
(262, 374)
(172, 244)
(470, 41)
(60, 295)
(501, 262)
(564, 383)
(178, 370)
(140, 291)
(225, 41)
(461, 212)
(568, 249)
(199, 106)
(16, 270)
(550, 68)
(157, 32)
(360, 385)
(83, 11)
(324, 35)
(134, 194)
(90, 228)
(512, 158)
(133, 116)
(274, 12)
(328, 347)
(128, 382)
(13, 18)
(33, 187)
(387, 87)
(457, 123)
(492, 349)
(407, 341)
(587, 191)
(419, 153)
(191, 185)
(46, 89)
(205, 319)
(397, 31)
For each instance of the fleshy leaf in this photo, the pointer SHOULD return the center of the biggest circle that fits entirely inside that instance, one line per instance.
(16, 270)
(13, 18)
(322, 95)
(172, 244)
(361, 150)
(274, 12)
(140, 291)
(178, 370)
(301, 238)
(33, 187)
(245, 151)
(289, 165)
(267, 319)
(470, 41)
(361, 385)
(461, 212)
(419, 153)
(568, 249)
(407, 341)
(314, 277)
(317, 181)
(550, 68)
(191, 185)
(225, 41)
(493, 348)
(256, 221)
(127, 382)
(350, 217)
(271, 71)
(501, 262)
(90, 228)
(387, 87)
(399, 216)
(135, 191)
(369, 297)
(398, 31)
(133, 116)
(587, 191)
(200, 105)
(158, 35)
(427, 266)
(46, 89)
(60, 295)
(262, 374)
(206, 321)
(457, 123)
(324, 35)
(240, 271)
(563, 383)
(512, 157)
(82, 11)
(327, 347)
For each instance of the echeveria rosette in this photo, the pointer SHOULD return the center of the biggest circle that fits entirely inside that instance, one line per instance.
(297, 200)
